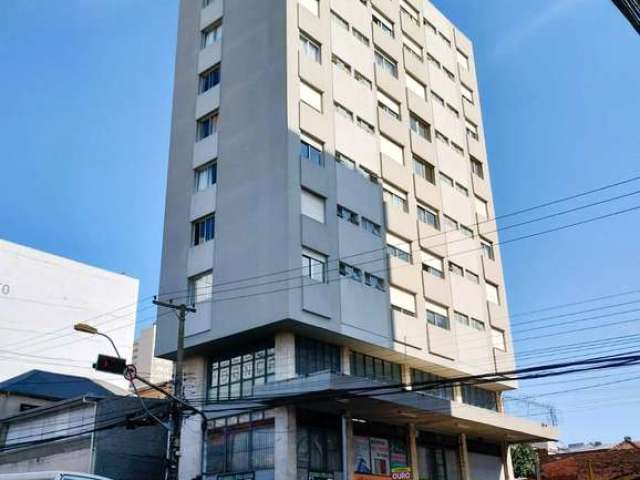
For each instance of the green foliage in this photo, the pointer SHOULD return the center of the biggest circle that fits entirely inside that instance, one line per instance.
(523, 458)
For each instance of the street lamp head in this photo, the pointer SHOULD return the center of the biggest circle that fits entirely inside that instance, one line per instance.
(85, 328)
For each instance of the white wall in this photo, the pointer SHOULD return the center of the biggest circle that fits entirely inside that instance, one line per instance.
(485, 467)
(156, 370)
(42, 296)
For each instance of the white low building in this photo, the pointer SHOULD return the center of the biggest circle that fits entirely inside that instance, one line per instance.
(43, 295)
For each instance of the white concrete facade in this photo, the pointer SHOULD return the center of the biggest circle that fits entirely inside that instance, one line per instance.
(156, 370)
(42, 296)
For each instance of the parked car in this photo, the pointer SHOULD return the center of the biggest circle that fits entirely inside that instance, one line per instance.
(50, 476)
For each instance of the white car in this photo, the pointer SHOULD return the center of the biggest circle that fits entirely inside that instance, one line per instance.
(50, 476)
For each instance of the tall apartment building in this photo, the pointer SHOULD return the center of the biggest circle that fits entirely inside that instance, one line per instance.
(156, 370)
(329, 214)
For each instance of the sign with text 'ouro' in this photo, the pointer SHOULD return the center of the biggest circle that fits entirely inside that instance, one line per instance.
(401, 474)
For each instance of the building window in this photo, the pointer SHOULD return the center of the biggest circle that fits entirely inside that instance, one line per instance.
(420, 127)
(450, 75)
(479, 397)
(311, 150)
(342, 159)
(472, 276)
(463, 60)
(318, 451)
(310, 96)
(345, 112)
(467, 93)
(444, 38)
(314, 265)
(416, 87)
(410, 12)
(200, 288)
(212, 35)
(424, 169)
(462, 189)
(386, 63)
(461, 318)
(349, 271)
(421, 380)
(312, 5)
(429, 216)
(392, 150)
(457, 148)
(441, 137)
(309, 48)
(399, 248)
(362, 79)
(457, 269)
(207, 126)
(430, 26)
(348, 215)
(209, 79)
(312, 205)
(466, 231)
(438, 99)
(482, 208)
(487, 249)
(437, 315)
(412, 47)
(385, 25)
(371, 227)
(454, 111)
(235, 453)
(498, 339)
(316, 356)
(472, 128)
(492, 293)
(476, 168)
(433, 61)
(342, 65)
(236, 377)
(403, 301)
(450, 224)
(360, 37)
(388, 105)
(395, 197)
(366, 126)
(432, 264)
(374, 281)
(446, 179)
(204, 229)
(477, 324)
(374, 368)
(339, 21)
(206, 176)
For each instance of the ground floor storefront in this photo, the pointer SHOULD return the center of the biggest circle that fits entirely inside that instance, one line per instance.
(297, 443)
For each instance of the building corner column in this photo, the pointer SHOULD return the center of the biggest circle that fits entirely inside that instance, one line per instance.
(285, 444)
(413, 452)
(192, 447)
(506, 460)
(463, 457)
(346, 428)
(285, 352)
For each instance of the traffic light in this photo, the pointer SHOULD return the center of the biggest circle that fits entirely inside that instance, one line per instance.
(109, 364)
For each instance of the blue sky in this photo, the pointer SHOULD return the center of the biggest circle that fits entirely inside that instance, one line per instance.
(86, 101)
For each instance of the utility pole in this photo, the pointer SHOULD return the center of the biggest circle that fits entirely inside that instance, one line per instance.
(174, 439)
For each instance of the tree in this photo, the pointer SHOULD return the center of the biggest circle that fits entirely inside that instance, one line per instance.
(523, 458)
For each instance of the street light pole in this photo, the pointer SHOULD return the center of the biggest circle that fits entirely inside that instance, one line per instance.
(174, 442)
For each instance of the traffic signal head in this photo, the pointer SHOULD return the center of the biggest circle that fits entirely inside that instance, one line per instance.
(108, 364)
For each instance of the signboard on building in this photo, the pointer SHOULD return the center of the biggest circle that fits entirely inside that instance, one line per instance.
(380, 456)
(320, 476)
(361, 455)
(401, 473)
